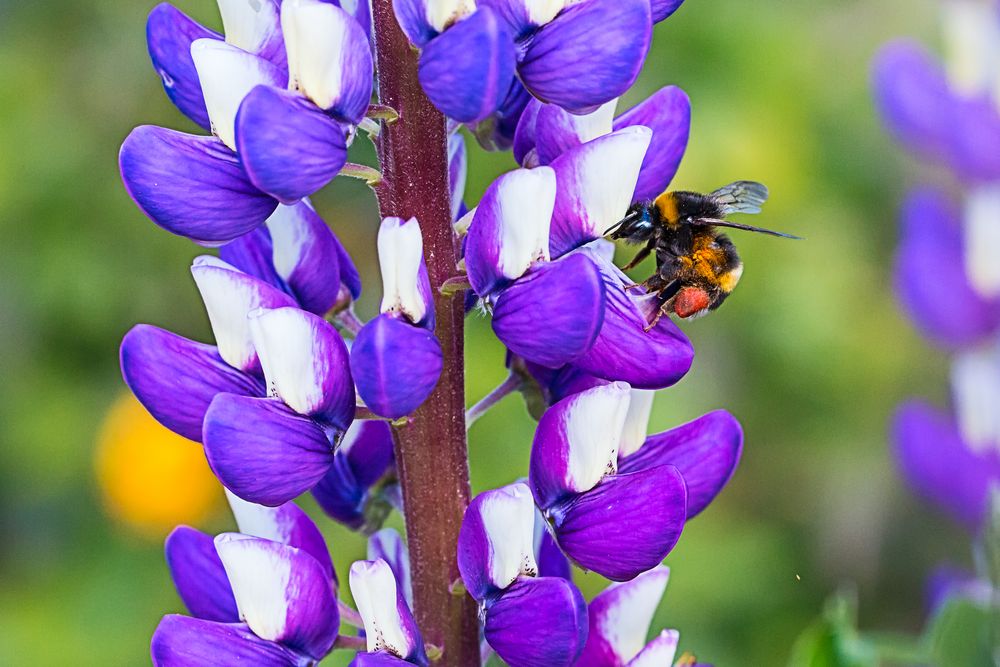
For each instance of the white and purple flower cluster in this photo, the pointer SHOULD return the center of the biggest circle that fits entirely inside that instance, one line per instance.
(298, 395)
(947, 274)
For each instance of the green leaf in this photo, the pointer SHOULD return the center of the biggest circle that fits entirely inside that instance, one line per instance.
(960, 635)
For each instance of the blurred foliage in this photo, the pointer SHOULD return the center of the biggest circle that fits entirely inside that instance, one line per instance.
(810, 353)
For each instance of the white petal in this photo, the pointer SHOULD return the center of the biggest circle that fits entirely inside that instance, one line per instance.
(509, 520)
(525, 199)
(972, 43)
(227, 74)
(636, 421)
(594, 423)
(443, 13)
(982, 238)
(257, 520)
(541, 12)
(658, 653)
(248, 24)
(400, 257)
(315, 41)
(373, 586)
(259, 578)
(289, 234)
(975, 384)
(292, 357)
(624, 611)
(596, 123)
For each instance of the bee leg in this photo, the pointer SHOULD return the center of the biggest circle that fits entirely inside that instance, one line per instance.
(663, 309)
(641, 255)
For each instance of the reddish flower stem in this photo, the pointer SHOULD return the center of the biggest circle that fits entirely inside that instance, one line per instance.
(431, 452)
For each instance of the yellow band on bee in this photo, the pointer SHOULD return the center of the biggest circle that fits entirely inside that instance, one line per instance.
(666, 204)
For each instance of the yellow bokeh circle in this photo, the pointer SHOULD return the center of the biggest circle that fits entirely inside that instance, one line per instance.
(151, 478)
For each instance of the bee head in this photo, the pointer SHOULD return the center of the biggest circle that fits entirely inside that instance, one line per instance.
(636, 227)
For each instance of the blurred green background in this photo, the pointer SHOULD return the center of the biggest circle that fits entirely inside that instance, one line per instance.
(811, 353)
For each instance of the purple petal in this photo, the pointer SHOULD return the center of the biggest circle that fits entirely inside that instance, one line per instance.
(263, 451)
(176, 378)
(568, 296)
(181, 641)
(230, 296)
(253, 254)
(976, 138)
(496, 540)
(309, 257)
(329, 58)
(389, 625)
(558, 383)
(412, 18)
(169, 33)
(664, 8)
(939, 466)
(468, 89)
(660, 651)
(576, 443)
(199, 576)
(395, 366)
(667, 112)
(913, 97)
(524, 134)
(305, 363)
(620, 617)
(283, 593)
(538, 623)
(590, 54)
(380, 659)
(510, 228)
(388, 545)
(623, 350)
(289, 148)
(706, 451)
(930, 276)
(558, 131)
(286, 524)
(550, 559)
(625, 525)
(594, 186)
(191, 186)
(505, 121)
(365, 455)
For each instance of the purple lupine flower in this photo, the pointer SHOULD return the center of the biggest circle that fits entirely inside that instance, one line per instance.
(577, 55)
(930, 276)
(363, 459)
(546, 131)
(266, 595)
(620, 617)
(618, 524)
(176, 378)
(523, 263)
(941, 466)
(395, 359)
(293, 142)
(252, 27)
(529, 620)
(270, 450)
(290, 143)
(391, 632)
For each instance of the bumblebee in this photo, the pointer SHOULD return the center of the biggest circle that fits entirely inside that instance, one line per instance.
(697, 266)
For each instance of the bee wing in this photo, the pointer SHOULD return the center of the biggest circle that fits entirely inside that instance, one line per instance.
(713, 222)
(740, 197)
